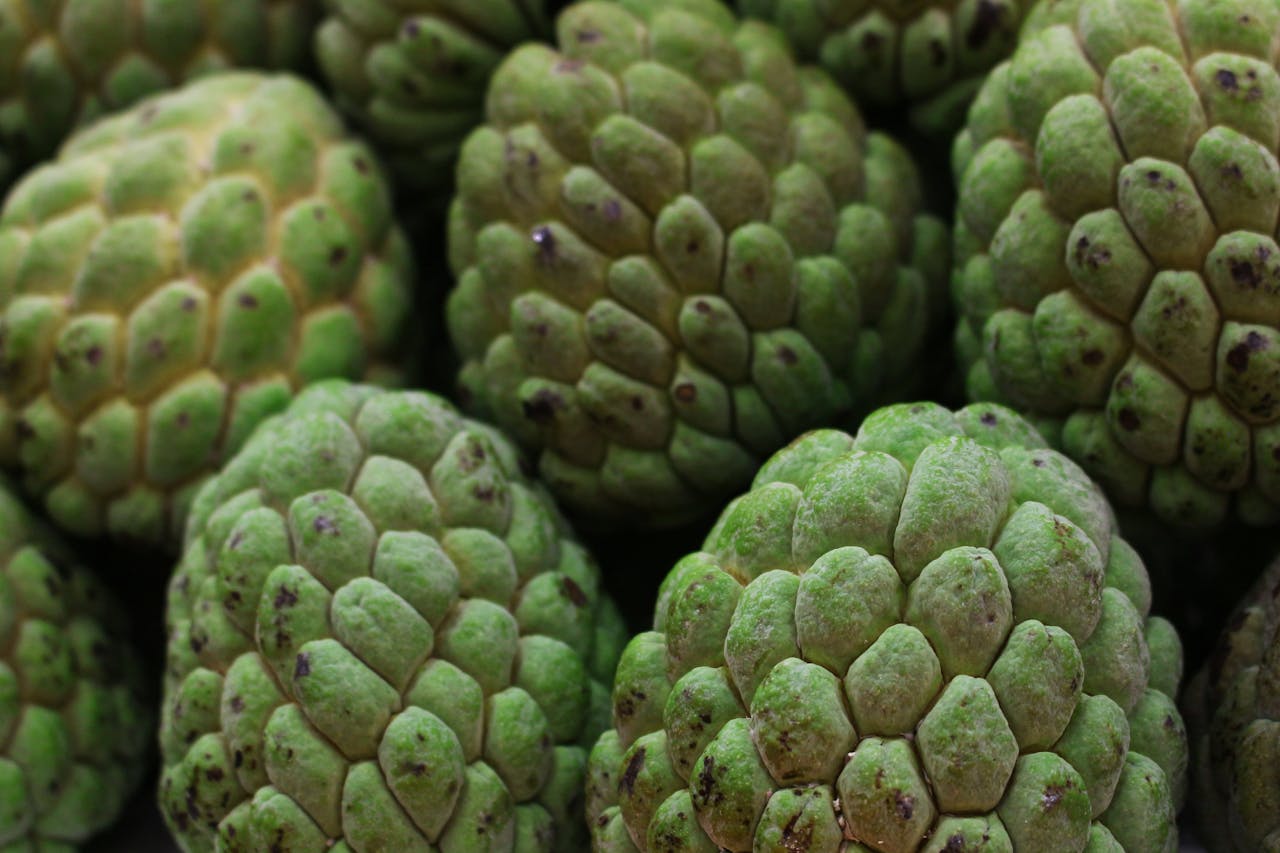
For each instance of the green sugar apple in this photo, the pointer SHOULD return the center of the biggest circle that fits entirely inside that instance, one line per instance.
(382, 637)
(173, 278)
(413, 74)
(1233, 712)
(676, 250)
(1116, 265)
(925, 637)
(928, 56)
(75, 720)
(64, 62)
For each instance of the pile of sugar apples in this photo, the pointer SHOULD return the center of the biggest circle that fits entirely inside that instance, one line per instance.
(858, 417)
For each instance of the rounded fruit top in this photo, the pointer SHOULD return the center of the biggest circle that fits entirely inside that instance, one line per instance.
(927, 57)
(173, 278)
(1233, 712)
(65, 62)
(413, 76)
(927, 636)
(1117, 270)
(675, 250)
(382, 636)
(75, 715)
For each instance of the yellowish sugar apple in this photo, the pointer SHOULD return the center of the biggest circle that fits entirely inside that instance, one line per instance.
(174, 277)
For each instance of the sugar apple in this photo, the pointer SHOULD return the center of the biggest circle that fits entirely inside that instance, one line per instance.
(172, 279)
(929, 56)
(382, 636)
(927, 637)
(675, 250)
(413, 75)
(75, 720)
(1116, 265)
(1234, 718)
(63, 62)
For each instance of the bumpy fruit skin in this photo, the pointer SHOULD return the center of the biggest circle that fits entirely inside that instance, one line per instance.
(675, 251)
(1232, 713)
(382, 636)
(1116, 265)
(75, 720)
(414, 79)
(172, 279)
(65, 62)
(925, 637)
(929, 56)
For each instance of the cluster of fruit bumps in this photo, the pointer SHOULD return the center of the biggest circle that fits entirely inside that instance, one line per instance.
(694, 267)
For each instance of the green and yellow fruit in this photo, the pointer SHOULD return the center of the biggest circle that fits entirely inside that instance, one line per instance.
(75, 720)
(925, 637)
(675, 250)
(65, 62)
(1233, 710)
(413, 76)
(924, 57)
(1117, 270)
(172, 279)
(382, 636)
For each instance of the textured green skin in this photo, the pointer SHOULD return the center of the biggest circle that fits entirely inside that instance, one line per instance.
(927, 56)
(1235, 738)
(75, 718)
(1116, 265)
(65, 62)
(152, 313)
(414, 80)
(375, 599)
(656, 297)
(926, 630)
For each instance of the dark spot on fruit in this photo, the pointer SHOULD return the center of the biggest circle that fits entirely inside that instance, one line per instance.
(1051, 797)
(871, 42)
(484, 494)
(1233, 171)
(637, 403)
(686, 392)
(337, 256)
(249, 195)
(182, 420)
(285, 598)
(412, 27)
(1129, 420)
(324, 524)
(1243, 274)
(541, 407)
(1087, 255)
(787, 355)
(612, 210)
(573, 592)
(692, 247)
(248, 300)
(237, 760)
(569, 66)
(93, 354)
(213, 774)
(545, 240)
(302, 666)
(706, 791)
(156, 348)
(237, 704)
(937, 53)
(702, 306)
(904, 805)
(588, 36)
(1092, 357)
(1238, 356)
(634, 766)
